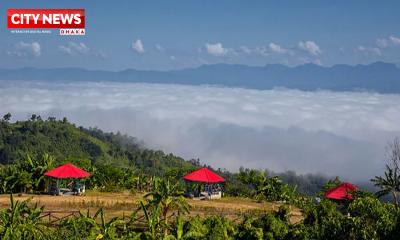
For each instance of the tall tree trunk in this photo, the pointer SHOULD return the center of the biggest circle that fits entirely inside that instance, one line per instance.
(396, 203)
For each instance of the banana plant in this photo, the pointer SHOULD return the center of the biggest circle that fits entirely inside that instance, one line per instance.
(167, 197)
(109, 229)
(193, 229)
(152, 218)
(79, 227)
(21, 221)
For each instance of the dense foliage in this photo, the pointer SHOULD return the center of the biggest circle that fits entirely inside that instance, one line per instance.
(266, 188)
(163, 215)
(66, 142)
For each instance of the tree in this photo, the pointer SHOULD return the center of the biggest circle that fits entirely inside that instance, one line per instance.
(264, 188)
(331, 183)
(7, 117)
(390, 182)
(33, 117)
(36, 167)
(372, 219)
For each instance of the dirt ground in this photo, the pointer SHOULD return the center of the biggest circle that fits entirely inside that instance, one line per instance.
(123, 204)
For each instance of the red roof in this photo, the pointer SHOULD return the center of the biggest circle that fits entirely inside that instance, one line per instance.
(204, 175)
(341, 192)
(67, 171)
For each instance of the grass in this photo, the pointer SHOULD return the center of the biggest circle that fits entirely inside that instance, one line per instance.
(123, 203)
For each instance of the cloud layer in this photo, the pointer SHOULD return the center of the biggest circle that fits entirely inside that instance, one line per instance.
(137, 46)
(216, 49)
(332, 133)
(310, 46)
(24, 49)
(73, 48)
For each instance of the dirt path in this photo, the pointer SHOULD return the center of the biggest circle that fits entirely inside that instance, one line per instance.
(119, 204)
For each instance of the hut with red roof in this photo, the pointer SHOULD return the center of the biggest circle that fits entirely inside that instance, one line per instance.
(208, 179)
(70, 172)
(343, 192)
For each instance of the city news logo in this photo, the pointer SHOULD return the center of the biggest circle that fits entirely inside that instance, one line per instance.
(68, 21)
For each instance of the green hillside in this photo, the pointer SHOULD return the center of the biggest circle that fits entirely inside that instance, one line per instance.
(66, 142)
(112, 153)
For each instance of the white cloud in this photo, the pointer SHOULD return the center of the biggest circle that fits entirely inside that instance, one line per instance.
(73, 48)
(35, 48)
(318, 62)
(337, 133)
(310, 46)
(395, 40)
(159, 48)
(23, 49)
(137, 46)
(387, 42)
(202, 61)
(382, 42)
(101, 55)
(245, 50)
(369, 50)
(216, 49)
(277, 48)
(261, 50)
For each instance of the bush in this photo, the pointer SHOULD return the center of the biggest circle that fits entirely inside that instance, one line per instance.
(372, 219)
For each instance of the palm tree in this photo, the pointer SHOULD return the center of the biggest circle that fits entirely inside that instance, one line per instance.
(166, 197)
(390, 183)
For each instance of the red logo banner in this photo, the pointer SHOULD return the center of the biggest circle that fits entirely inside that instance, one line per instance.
(46, 18)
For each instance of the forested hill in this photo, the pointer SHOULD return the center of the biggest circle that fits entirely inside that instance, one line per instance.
(92, 147)
(66, 142)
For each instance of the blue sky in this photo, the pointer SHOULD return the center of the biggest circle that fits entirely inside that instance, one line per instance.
(165, 35)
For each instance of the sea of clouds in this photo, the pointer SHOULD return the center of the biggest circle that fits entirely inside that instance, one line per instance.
(333, 133)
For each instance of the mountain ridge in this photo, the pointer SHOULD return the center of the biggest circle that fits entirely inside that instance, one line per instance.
(378, 77)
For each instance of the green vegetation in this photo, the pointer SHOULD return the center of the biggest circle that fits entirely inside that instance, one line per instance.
(390, 182)
(265, 188)
(68, 143)
(364, 218)
(118, 162)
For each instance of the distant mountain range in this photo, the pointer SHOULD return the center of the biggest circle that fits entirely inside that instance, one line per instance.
(377, 77)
